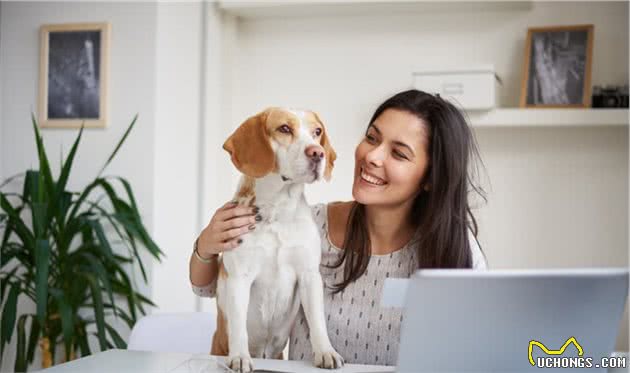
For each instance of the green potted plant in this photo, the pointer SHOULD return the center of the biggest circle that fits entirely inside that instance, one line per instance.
(55, 250)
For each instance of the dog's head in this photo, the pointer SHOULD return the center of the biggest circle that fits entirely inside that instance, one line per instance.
(291, 143)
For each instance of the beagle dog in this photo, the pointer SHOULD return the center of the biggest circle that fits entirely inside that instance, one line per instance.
(262, 282)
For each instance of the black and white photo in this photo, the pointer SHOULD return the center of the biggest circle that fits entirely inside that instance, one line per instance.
(73, 76)
(557, 67)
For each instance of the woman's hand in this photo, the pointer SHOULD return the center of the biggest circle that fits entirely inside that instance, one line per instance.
(225, 228)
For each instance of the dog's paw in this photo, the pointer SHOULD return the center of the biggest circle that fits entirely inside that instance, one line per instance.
(240, 364)
(328, 359)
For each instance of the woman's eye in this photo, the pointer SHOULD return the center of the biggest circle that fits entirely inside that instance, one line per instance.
(400, 155)
(318, 131)
(370, 138)
(284, 128)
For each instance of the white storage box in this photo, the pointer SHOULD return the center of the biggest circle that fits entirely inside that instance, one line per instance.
(470, 89)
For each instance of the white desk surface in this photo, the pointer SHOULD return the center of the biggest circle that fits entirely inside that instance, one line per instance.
(121, 361)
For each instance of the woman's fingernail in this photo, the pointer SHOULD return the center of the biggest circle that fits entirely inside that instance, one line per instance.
(258, 218)
(252, 227)
(240, 241)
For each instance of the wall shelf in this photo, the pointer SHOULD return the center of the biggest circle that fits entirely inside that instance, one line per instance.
(516, 117)
(310, 8)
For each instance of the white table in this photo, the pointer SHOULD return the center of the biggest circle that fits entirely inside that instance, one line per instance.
(121, 361)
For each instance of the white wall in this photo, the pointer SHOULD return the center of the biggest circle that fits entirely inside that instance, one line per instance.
(217, 174)
(177, 174)
(132, 90)
(558, 197)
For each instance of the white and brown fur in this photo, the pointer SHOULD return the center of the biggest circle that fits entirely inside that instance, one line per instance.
(262, 283)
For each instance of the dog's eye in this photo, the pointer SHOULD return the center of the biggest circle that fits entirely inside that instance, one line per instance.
(284, 128)
(318, 131)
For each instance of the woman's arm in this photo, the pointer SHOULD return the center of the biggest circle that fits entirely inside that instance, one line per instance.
(222, 234)
(203, 271)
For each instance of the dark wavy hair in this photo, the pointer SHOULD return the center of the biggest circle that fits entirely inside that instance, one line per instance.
(442, 214)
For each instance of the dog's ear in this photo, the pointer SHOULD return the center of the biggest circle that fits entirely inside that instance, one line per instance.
(250, 147)
(328, 150)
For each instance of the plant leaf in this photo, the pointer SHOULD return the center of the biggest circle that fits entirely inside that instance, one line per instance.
(82, 337)
(118, 341)
(102, 239)
(62, 205)
(101, 273)
(10, 179)
(31, 185)
(18, 225)
(63, 180)
(42, 256)
(20, 355)
(127, 187)
(124, 287)
(44, 166)
(67, 320)
(33, 338)
(122, 140)
(40, 218)
(67, 166)
(5, 281)
(98, 310)
(8, 316)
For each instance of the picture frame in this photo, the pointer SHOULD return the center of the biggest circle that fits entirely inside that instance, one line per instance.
(557, 67)
(74, 75)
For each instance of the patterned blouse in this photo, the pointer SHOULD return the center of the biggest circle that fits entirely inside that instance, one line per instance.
(359, 329)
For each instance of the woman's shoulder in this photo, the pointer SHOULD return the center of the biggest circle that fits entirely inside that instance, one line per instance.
(337, 210)
(331, 219)
(338, 213)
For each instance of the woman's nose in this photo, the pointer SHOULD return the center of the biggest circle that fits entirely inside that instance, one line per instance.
(375, 156)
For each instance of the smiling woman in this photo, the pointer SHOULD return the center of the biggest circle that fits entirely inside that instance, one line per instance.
(411, 185)
(412, 180)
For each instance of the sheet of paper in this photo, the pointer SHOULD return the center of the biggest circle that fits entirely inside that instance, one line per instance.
(216, 364)
(394, 292)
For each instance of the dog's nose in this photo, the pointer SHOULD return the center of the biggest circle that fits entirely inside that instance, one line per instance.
(314, 152)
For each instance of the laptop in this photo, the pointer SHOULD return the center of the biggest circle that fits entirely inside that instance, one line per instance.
(507, 320)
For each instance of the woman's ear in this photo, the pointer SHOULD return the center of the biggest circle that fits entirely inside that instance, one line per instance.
(250, 147)
(330, 153)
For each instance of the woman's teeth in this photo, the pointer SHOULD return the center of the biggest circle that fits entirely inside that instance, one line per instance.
(371, 179)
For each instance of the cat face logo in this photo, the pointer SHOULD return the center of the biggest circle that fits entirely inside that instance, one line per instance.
(553, 352)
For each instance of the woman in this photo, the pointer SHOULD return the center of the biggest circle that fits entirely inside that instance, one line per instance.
(410, 210)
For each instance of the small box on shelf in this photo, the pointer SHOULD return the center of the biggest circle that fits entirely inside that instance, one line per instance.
(469, 88)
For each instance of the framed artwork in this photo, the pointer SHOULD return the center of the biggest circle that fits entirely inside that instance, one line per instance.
(557, 67)
(73, 75)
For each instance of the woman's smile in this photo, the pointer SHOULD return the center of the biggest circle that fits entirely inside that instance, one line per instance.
(371, 180)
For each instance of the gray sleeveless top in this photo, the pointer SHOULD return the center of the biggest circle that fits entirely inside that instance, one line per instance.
(359, 329)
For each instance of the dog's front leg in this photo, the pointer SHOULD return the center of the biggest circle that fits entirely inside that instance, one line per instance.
(236, 305)
(312, 298)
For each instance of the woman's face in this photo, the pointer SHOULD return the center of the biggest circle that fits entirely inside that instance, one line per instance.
(391, 160)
